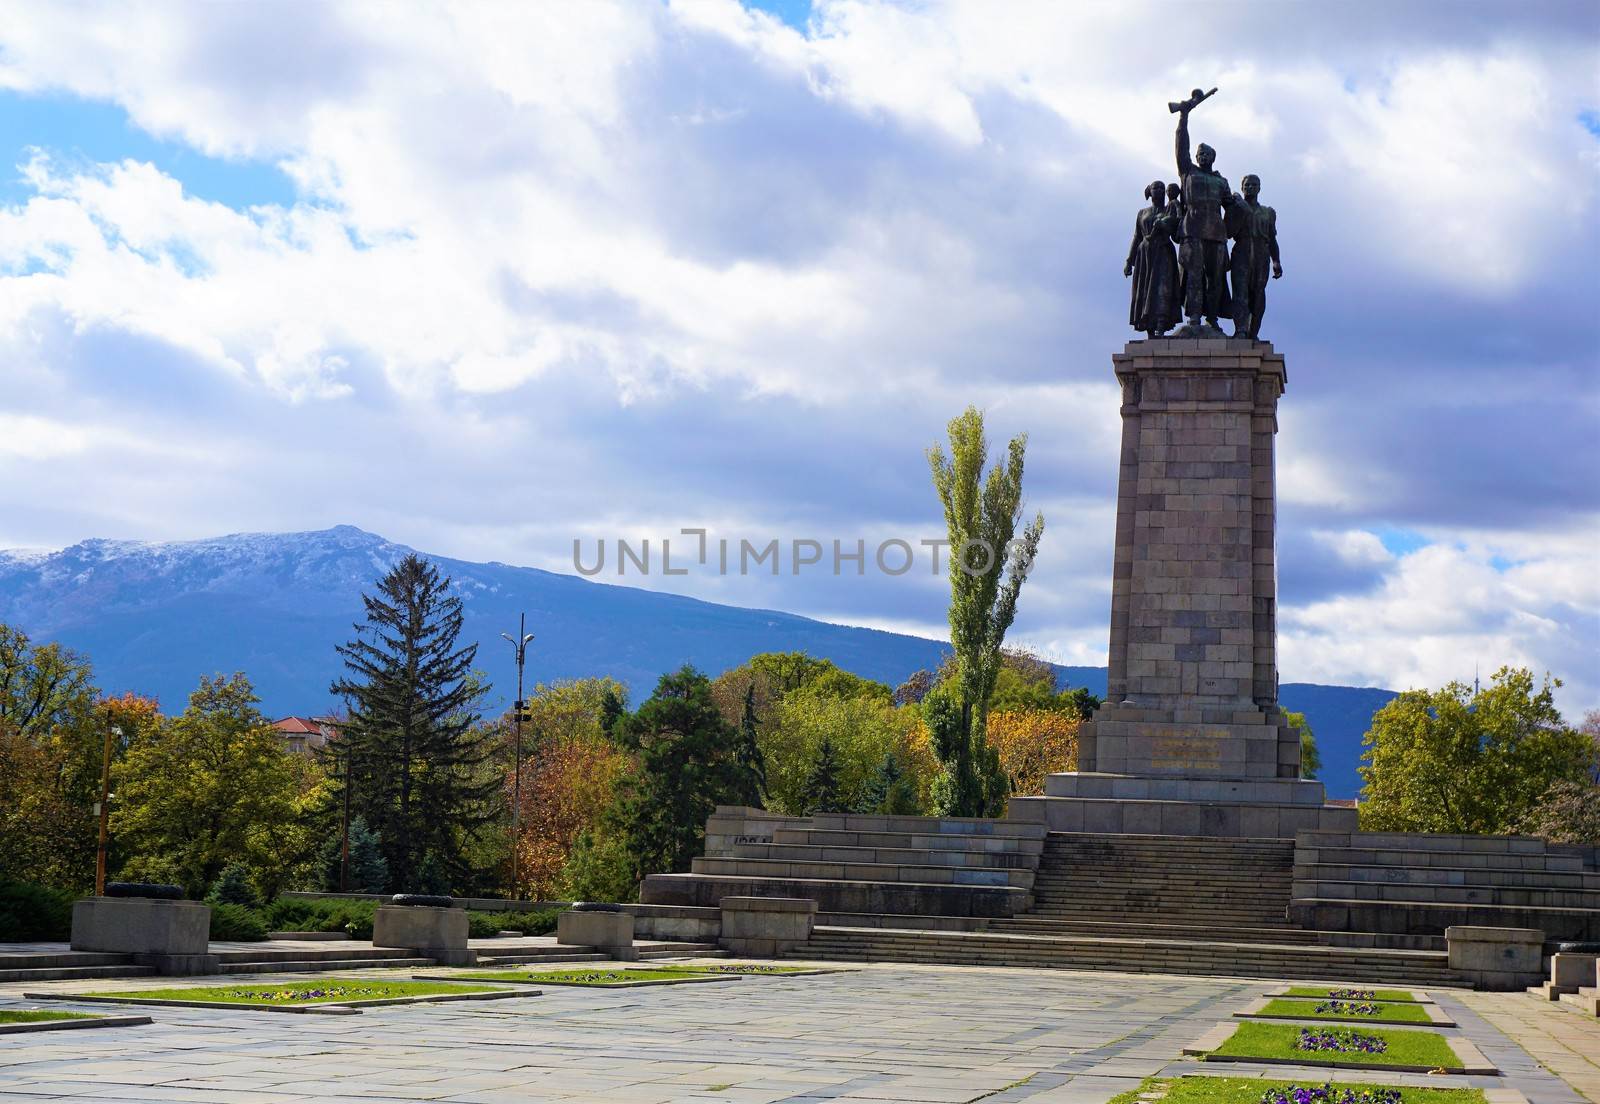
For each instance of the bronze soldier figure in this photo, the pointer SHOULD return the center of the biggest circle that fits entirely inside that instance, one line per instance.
(1204, 255)
(1153, 264)
(1254, 230)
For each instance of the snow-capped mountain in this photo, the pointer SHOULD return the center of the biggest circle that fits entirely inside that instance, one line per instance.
(154, 617)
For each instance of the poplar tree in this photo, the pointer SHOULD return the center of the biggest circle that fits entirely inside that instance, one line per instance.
(988, 563)
(420, 780)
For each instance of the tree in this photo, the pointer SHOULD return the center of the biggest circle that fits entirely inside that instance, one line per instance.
(749, 754)
(892, 792)
(1310, 757)
(204, 789)
(861, 730)
(1461, 762)
(988, 563)
(567, 784)
(914, 688)
(687, 765)
(41, 686)
(1569, 812)
(822, 784)
(368, 872)
(421, 766)
(1033, 743)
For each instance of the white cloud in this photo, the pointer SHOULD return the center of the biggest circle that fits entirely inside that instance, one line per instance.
(558, 269)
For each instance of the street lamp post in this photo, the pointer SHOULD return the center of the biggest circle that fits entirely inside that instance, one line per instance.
(105, 811)
(520, 644)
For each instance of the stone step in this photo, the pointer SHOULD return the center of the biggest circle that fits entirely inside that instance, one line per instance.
(1411, 841)
(938, 826)
(912, 841)
(525, 958)
(1459, 860)
(1131, 929)
(72, 973)
(1505, 896)
(61, 955)
(1433, 917)
(1168, 956)
(907, 856)
(863, 872)
(1586, 1001)
(263, 952)
(317, 965)
(1328, 872)
(904, 898)
(683, 950)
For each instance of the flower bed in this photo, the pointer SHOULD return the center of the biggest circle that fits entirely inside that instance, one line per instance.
(1345, 994)
(599, 979)
(1326, 1046)
(1245, 1090)
(300, 994)
(1371, 1012)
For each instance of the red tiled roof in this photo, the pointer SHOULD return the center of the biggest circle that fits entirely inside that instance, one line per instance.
(298, 726)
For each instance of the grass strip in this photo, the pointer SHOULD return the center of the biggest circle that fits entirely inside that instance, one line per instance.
(12, 1016)
(1251, 1090)
(597, 979)
(1384, 1011)
(1342, 991)
(1427, 1049)
(299, 993)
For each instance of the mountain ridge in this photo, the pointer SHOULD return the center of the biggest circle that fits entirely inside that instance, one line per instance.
(154, 616)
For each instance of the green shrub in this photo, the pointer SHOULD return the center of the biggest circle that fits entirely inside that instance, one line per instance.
(235, 923)
(300, 914)
(31, 913)
(232, 887)
(483, 925)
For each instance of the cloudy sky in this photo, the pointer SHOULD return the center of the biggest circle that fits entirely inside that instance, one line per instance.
(489, 278)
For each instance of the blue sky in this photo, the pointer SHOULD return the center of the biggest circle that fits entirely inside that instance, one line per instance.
(487, 281)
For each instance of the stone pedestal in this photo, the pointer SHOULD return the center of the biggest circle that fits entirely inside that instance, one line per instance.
(437, 933)
(611, 932)
(1496, 958)
(172, 936)
(765, 927)
(1192, 686)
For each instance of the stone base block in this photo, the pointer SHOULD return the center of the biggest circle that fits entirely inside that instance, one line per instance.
(675, 923)
(1223, 818)
(1505, 959)
(611, 932)
(438, 933)
(765, 927)
(1571, 972)
(891, 898)
(170, 935)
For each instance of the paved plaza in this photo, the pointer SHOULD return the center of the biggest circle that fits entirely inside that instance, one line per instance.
(876, 1033)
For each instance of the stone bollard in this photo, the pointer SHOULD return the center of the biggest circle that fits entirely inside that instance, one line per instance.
(765, 927)
(150, 922)
(432, 926)
(1496, 958)
(603, 926)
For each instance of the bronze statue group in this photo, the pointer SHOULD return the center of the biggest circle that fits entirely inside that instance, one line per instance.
(1180, 259)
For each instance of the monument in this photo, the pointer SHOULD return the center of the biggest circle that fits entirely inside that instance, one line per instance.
(1191, 740)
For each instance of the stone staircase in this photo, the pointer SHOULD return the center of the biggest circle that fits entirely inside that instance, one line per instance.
(58, 962)
(1168, 904)
(1406, 883)
(304, 956)
(860, 864)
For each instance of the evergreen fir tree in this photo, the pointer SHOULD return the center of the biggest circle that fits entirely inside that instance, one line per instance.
(822, 784)
(421, 777)
(368, 872)
(891, 793)
(232, 887)
(749, 755)
(687, 766)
